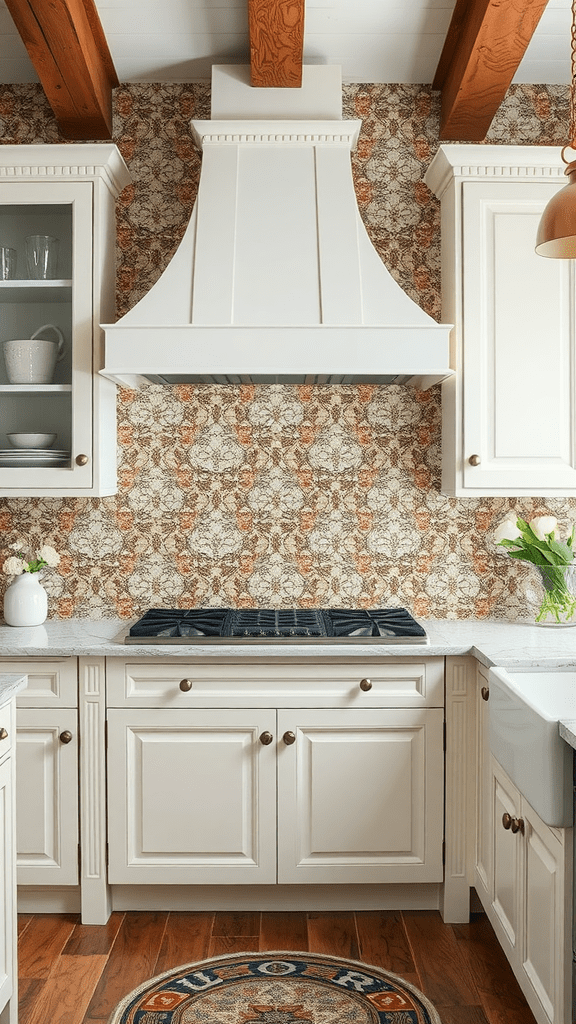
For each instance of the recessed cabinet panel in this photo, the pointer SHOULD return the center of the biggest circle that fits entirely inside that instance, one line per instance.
(519, 347)
(362, 795)
(191, 796)
(47, 797)
(49, 683)
(6, 895)
(508, 414)
(404, 683)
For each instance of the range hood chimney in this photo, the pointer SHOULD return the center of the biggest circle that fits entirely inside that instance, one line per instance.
(276, 280)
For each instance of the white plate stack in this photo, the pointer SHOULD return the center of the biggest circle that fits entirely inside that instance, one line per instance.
(39, 457)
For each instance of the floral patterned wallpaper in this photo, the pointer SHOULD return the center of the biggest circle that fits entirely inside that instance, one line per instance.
(273, 495)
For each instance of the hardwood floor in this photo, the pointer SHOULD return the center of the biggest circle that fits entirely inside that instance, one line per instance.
(75, 974)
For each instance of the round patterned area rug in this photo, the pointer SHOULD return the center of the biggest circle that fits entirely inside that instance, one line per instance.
(276, 988)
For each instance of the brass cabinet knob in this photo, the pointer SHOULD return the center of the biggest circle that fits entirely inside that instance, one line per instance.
(365, 684)
(82, 460)
(65, 736)
(289, 738)
(507, 820)
(185, 685)
(266, 738)
(517, 825)
(3, 733)
(485, 693)
(474, 460)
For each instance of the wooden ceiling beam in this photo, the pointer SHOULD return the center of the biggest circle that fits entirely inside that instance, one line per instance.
(484, 45)
(276, 42)
(66, 44)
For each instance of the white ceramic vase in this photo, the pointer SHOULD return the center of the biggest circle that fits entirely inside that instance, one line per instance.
(25, 601)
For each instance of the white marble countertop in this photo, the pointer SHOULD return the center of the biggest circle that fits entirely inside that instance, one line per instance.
(10, 685)
(492, 643)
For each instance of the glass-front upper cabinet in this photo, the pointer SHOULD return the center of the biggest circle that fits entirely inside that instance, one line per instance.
(57, 280)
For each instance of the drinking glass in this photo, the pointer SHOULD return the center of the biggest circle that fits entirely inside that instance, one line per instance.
(41, 257)
(7, 263)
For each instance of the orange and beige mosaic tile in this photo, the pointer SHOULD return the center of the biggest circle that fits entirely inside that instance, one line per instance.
(274, 495)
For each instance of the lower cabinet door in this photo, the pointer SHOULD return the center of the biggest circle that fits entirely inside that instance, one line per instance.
(47, 796)
(507, 904)
(360, 795)
(192, 796)
(6, 886)
(546, 951)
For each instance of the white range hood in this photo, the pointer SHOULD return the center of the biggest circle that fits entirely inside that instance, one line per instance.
(276, 280)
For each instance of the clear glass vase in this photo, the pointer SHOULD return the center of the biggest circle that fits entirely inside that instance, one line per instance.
(558, 607)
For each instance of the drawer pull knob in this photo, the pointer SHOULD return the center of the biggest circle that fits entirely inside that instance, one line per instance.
(507, 820)
(65, 736)
(266, 738)
(82, 460)
(365, 684)
(289, 738)
(517, 825)
(485, 693)
(185, 685)
(474, 460)
(3, 733)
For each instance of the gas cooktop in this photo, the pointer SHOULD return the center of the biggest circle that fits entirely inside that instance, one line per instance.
(263, 625)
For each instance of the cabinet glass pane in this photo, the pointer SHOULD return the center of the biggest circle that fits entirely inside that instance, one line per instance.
(25, 306)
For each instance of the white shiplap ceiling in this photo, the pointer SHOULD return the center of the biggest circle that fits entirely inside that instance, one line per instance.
(372, 40)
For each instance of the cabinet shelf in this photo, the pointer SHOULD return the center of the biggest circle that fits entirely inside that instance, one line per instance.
(35, 291)
(28, 388)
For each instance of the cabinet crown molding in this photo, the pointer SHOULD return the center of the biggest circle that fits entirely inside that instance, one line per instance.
(525, 163)
(66, 163)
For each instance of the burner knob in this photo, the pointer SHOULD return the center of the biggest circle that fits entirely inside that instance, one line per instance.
(289, 738)
(185, 685)
(266, 738)
(365, 684)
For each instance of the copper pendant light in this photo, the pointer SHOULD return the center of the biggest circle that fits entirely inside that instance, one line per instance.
(557, 229)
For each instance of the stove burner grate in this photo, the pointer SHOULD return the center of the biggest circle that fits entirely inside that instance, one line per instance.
(177, 624)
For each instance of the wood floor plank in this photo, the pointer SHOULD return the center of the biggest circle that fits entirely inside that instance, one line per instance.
(246, 922)
(333, 933)
(284, 930)
(132, 960)
(221, 944)
(462, 964)
(29, 990)
(68, 991)
(445, 976)
(23, 922)
(463, 1015)
(186, 939)
(384, 942)
(92, 939)
(492, 974)
(39, 946)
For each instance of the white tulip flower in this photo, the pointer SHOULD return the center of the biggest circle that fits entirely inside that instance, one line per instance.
(507, 531)
(14, 566)
(543, 525)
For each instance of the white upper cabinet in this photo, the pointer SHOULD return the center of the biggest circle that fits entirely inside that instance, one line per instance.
(508, 413)
(67, 193)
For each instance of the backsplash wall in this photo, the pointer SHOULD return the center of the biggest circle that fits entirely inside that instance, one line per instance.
(280, 496)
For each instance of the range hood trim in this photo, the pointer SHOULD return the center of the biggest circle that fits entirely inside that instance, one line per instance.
(248, 352)
(276, 279)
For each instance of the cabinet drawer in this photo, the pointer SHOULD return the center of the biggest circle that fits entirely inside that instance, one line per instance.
(50, 683)
(406, 682)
